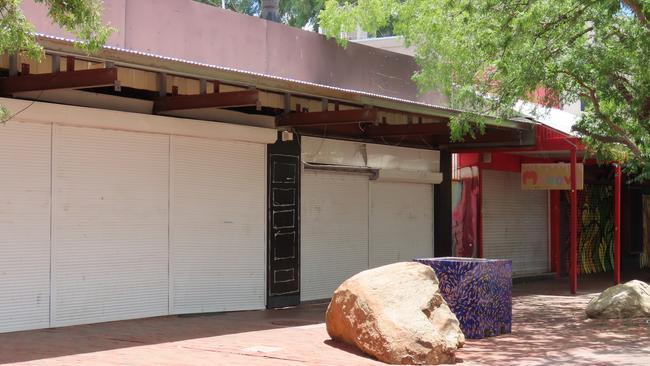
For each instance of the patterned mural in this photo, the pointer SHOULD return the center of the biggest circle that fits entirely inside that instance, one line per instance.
(465, 216)
(478, 291)
(595, 229)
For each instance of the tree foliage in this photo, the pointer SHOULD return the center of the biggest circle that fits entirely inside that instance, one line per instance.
(250, 7)
(82, 18)
(487, 55)
(296, 13)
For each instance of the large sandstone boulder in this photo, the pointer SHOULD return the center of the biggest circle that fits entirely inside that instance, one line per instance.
(627, 300)
(396, 314)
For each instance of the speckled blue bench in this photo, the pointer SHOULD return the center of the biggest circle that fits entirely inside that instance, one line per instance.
(478, 291)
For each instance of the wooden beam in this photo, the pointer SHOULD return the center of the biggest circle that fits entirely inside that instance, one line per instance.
(341, 130)
(244, 98)
(487, 147)
(493, 139)
(58, 80)
(408, 130)
(367, 115)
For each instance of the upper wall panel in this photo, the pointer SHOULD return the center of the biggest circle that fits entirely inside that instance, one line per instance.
(193, 31)
(114, 15)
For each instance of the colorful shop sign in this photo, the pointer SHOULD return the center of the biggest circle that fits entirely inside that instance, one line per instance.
(550, 176)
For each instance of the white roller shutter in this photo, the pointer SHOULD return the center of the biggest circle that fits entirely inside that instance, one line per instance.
(110, 225)
(25, 157)
(401, 222)
(334, 213)
(515, 222)
(218, 224)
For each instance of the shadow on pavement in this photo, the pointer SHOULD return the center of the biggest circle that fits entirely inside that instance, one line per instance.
(59, 342)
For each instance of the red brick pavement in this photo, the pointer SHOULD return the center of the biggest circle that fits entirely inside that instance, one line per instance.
(549, 328)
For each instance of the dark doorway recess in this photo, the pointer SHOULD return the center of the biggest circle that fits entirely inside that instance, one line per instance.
(283, 223)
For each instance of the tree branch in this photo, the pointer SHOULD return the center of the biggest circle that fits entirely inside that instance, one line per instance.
(637, 10)
(571, 15)
(644, 116)
(608, 139)
(570, 42)
(591, 94)
(619, 84)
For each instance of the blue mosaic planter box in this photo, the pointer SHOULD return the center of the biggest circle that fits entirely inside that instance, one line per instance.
(478, 291)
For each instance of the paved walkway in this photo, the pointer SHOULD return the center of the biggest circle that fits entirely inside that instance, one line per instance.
(549, 329)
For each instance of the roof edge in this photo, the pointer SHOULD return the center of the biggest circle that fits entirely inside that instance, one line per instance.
(189, 68)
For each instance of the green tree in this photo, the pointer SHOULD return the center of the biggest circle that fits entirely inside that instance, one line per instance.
(250, 7)
(82, 18)
(300, 13)
(296, 13)
(487, 55)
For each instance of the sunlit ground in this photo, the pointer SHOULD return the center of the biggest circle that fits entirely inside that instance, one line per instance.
(549, 328)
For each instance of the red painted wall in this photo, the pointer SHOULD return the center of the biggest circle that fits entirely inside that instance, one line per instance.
(506, 162)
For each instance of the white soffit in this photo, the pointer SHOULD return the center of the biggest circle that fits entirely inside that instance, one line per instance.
(348, 153)
(125, 121)
(336, 152)
(405, 176)
(551, 117)
(404, 158)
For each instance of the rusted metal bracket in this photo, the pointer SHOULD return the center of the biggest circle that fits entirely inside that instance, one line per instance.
(408, 130)
(242, 98)
(58, 80)
(364, 115)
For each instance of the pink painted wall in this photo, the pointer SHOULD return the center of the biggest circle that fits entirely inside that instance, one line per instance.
(113, 14)
(189, 30)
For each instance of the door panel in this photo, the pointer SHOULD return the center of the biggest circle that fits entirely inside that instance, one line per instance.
(284, 224)
(334, 231)
(110, 225)
(401, 222)
(515, 223)
(25, 155)
(217, 225)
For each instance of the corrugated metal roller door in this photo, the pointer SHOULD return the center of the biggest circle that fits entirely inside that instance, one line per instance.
(515, 222)
(401, 222)
(334, 213)
(25, 157)
(110, 225)
(218, 220)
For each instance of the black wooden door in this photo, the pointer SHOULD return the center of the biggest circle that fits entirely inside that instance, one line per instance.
(283, 223)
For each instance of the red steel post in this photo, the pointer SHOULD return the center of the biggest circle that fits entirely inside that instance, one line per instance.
(480, 213)
(573, 271)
